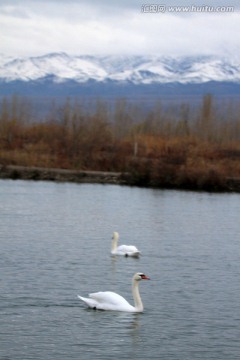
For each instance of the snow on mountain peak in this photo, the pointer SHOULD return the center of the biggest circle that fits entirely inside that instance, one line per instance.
(135, 69)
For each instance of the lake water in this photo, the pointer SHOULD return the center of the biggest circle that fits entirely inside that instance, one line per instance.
(55, 244)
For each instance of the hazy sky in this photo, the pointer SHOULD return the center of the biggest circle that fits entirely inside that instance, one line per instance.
(37, 27)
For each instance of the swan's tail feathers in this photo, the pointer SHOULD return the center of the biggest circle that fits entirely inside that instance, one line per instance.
(89, 302)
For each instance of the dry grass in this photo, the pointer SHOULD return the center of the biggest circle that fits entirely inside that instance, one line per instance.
(200, 153)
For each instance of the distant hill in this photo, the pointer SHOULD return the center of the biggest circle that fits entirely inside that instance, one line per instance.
(59, 74)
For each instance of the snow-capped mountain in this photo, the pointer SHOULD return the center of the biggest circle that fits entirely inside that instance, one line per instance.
(137, 70)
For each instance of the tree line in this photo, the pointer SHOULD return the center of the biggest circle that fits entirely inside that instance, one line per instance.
(171, 146)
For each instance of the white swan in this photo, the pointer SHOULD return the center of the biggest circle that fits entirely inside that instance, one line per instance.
(125, 250)
(108, 300)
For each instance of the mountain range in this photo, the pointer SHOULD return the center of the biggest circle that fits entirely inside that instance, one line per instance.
(63, 74)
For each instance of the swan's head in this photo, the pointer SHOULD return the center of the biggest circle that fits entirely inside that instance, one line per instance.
(115, 236)
(140, 276)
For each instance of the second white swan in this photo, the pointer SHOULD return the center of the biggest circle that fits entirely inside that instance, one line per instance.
(125, 250)
(108, 300)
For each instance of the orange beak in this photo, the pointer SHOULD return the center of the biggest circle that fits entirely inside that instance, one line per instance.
(144, 277)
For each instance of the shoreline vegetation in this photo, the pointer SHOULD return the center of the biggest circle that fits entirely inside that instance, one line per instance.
(174, 147)
(15, 172)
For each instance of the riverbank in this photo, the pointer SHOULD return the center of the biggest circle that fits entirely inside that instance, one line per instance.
(16, 172)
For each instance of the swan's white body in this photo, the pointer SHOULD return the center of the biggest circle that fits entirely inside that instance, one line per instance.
(108, 300)
(125, 250)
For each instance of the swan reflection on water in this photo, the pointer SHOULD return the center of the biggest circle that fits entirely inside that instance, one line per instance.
(115, 259)
(132, 324)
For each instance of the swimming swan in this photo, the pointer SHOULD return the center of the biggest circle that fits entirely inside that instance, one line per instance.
(125, 250)
(108, 300)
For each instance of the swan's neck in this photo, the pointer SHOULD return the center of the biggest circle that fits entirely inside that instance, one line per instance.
(114, 243)
(136, 296)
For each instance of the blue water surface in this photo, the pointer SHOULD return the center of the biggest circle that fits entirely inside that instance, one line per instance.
(55, 243)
